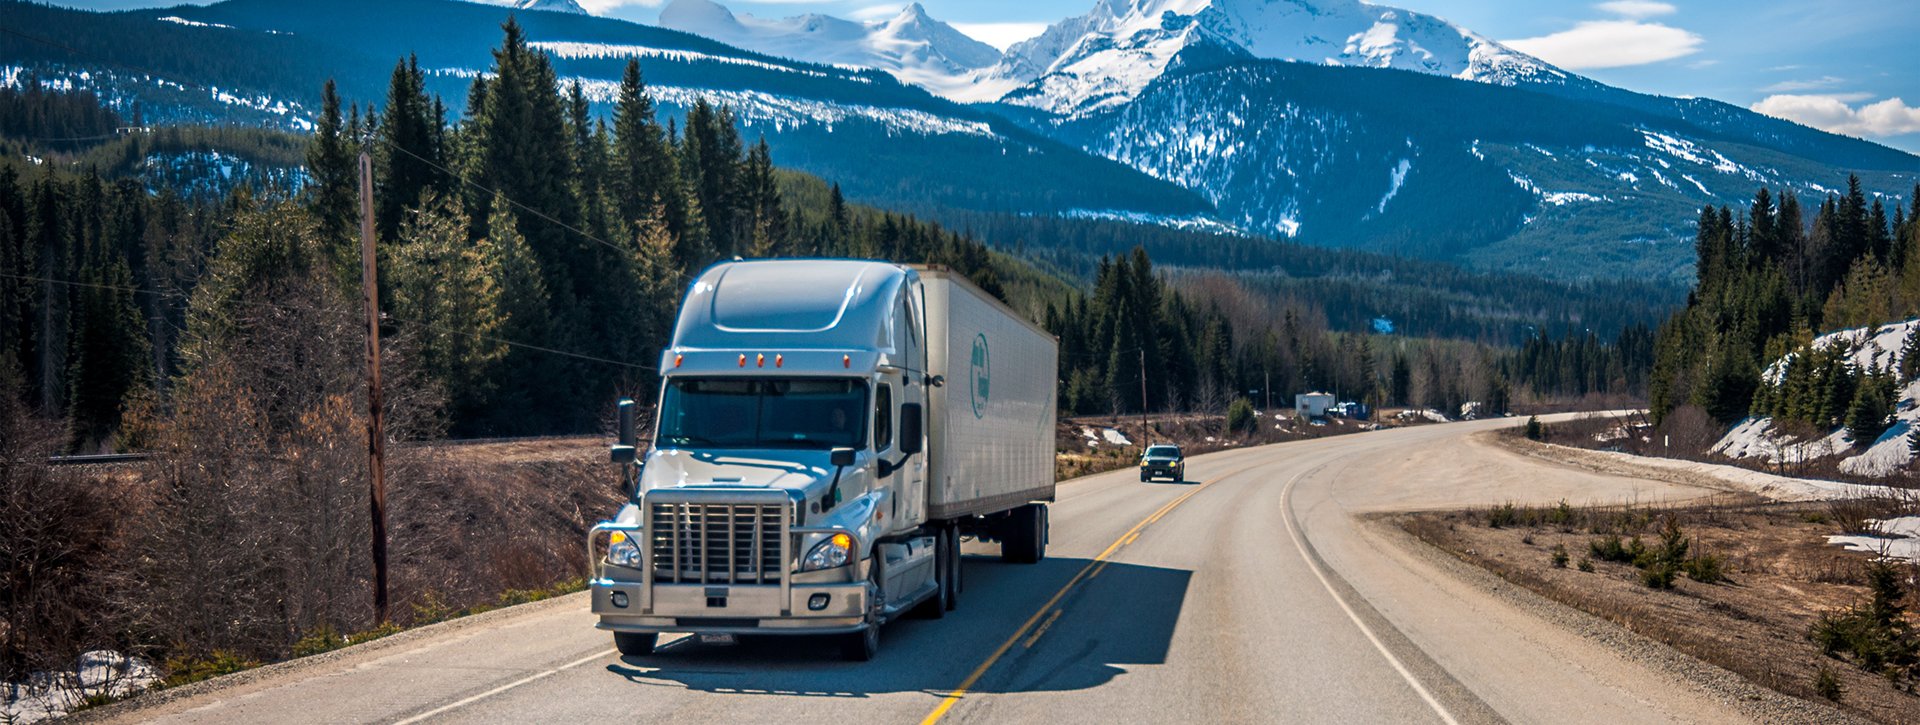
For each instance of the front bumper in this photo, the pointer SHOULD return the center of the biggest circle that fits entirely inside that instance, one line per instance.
(728, 609)
(1167, 471)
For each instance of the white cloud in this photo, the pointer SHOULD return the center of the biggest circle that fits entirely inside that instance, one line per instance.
(1637, 9)
(1890, 117)
(1804, 85)
(876, 12)
(1610, 44)
(1000, 35)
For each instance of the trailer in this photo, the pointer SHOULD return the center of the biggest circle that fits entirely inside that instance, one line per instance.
(828, 431)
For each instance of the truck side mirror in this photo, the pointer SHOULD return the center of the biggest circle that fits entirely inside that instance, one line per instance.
(910, 425)
(841, 457)
(624, 450)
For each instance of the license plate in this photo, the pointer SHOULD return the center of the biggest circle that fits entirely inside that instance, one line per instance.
(718, 639)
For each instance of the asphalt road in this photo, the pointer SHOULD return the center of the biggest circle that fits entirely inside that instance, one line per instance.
(1255, 592)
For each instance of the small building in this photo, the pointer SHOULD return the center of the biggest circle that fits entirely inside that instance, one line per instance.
(1312, 405)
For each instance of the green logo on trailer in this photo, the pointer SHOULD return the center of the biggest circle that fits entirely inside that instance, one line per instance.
(979, 376)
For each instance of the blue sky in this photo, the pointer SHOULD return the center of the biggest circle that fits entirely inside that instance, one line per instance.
(1833, 64)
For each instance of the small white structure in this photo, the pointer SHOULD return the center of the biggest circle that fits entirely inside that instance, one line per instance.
(1312, 405)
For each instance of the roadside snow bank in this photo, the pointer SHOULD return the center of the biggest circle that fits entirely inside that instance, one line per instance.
(47, 695)
(1778, 488)
(1897, 539)
(1872, 349)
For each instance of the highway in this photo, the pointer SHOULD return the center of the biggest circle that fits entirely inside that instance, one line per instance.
(1258, 591)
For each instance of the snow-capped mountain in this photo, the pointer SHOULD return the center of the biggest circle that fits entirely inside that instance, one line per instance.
(1109, 55)
(913, 47)
(557, 6)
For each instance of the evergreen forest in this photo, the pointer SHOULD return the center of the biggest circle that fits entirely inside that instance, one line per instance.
(531, 254)
(1772, 277)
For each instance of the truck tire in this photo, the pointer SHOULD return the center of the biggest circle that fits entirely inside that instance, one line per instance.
(634, 644)
(954, 568)
(861, 646)
(1025, 539)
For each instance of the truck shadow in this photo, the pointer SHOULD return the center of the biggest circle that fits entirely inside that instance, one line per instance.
(1123, 615)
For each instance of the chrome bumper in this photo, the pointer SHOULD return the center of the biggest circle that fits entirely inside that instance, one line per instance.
(631, 600)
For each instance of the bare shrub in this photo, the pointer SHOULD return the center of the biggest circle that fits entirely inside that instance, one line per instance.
(258, 494)
(1687, 432)
(59, 543)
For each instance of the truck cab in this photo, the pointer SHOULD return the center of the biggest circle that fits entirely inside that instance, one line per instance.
(786, 489)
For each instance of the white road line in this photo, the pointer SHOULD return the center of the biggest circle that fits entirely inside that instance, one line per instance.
(1300, 545)
(502, 688)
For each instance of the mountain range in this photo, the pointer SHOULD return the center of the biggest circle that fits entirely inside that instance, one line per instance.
(1334, 122)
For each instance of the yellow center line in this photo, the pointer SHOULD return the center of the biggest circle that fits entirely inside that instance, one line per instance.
(1101, 560)
(1043, 627)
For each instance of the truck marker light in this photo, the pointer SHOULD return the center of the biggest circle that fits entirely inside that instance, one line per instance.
(743, 359)
(843, 541)
(760, 360)
(677, 359)
(616, 538)
(846, 361)
(779, 360)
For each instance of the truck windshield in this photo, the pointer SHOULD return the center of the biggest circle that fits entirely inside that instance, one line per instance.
(763, 413)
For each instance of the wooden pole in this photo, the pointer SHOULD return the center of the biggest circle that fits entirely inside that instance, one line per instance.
(376, 429)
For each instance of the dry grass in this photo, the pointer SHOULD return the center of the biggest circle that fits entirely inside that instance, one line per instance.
(1780, 576)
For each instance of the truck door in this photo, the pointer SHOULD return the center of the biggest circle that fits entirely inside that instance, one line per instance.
(910, 335)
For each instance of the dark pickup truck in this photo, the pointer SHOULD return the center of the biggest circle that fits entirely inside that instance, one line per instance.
(1163, 461)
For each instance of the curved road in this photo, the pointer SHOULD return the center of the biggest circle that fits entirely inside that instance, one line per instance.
(1253, 593)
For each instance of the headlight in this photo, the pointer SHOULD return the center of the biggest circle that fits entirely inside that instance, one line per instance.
(835, 551)
(623, 552)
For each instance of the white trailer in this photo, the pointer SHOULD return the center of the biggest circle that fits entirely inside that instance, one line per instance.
(828, 431)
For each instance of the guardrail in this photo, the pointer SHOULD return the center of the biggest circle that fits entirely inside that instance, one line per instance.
(98, 459)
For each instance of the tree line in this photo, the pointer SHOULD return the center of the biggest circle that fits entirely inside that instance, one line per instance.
(1770, 279)
(525, 227)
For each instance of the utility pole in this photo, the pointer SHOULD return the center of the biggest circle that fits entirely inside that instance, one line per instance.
(1268, 389)
(376, 430)
(1146, 435)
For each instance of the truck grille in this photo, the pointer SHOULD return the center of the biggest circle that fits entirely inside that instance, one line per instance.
(716, 543)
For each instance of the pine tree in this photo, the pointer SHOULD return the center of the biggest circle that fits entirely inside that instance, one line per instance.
(447, 288)
(526, 390)
(408, 162)
(333, 189)
(109, 359)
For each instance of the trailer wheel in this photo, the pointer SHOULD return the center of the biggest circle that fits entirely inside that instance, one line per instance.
(634, 644)
(1025, 539)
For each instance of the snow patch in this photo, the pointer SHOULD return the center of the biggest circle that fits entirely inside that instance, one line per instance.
(576, 50)
(1399, 176)
(1897, 538)
(48, 695)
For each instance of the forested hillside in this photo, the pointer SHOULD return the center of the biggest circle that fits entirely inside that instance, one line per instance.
(1772, 277)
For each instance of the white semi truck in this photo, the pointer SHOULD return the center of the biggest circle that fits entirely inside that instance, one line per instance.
(828, 431)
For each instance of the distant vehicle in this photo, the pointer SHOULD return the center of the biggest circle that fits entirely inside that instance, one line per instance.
(1163, 460)
(828, 431)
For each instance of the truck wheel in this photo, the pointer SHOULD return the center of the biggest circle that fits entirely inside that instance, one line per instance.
(1040, 538)
(634, 644)
(861, 646)
(953, 568)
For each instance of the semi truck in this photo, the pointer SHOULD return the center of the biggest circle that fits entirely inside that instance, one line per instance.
(827, 434)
